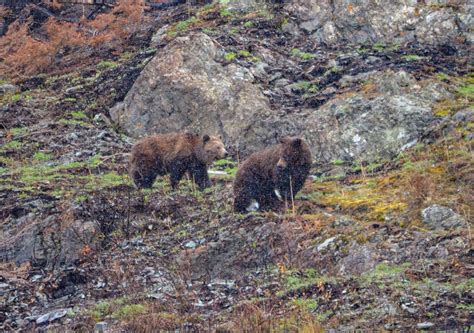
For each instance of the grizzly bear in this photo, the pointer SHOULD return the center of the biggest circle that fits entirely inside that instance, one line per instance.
(277, 172)
(176, 154)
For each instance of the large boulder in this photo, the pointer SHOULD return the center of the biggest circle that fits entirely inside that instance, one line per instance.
(185, 88)
(398, 21)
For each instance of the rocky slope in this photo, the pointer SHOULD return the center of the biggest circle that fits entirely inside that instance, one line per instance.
(379, 237)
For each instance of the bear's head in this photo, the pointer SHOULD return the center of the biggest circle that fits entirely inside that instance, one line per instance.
(293, 153)
(214, 148)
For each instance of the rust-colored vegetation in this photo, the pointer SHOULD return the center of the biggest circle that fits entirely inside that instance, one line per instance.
(24, 52)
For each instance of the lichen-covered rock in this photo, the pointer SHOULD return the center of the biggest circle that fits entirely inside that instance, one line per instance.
(439, 217)
(185, 88)
(376, 125)
(356, 21)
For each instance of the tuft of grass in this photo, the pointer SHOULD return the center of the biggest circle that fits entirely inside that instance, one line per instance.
(224, 12)
(18, 131)
(412, 57)
(129, 311)
(379, 47)
(186, 24)
(106, 64)
(79, 115)
(302, 55)
(248, 24)
(307, 304)
(41, 156)
(12, 145)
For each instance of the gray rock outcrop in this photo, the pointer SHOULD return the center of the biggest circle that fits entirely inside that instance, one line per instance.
(368, 21)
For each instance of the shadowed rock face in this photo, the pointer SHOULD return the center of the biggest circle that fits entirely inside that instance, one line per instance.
(361, 21)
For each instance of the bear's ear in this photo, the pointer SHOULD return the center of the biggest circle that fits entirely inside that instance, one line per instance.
(206, 138)
(297, 142)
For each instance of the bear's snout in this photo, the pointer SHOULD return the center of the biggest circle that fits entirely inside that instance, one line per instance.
(281, 165)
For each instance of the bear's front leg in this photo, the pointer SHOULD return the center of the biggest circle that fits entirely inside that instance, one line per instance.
(200, 176)
(177, 173)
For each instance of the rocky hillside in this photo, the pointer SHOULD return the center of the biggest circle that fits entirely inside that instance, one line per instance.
(379, 238)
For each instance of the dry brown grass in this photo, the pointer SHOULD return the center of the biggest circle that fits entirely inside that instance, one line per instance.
(24, 54)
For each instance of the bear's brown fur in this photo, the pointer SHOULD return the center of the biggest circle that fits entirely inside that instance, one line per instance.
(270, 170)
(176, 154)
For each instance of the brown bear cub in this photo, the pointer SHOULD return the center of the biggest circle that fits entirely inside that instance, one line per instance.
(265, 176)
(176, 154)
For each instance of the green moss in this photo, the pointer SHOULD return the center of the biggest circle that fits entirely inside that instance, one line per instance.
(244, 53)
(3, 170)
(229, 56)
(129, 311)
(70, 99)
(248, 24)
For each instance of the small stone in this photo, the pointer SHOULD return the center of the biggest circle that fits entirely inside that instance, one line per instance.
(325, 244)
(100, 327)
(51, 316)
(424, 325)
(439, 217)
(190, 245)
(8, 88)
(311, 25)
(409, 309)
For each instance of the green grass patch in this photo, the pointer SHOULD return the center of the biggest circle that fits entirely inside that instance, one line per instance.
(307, 304)
(79, 115)
(186, 24)
(412, 57)
(129, 311)
(224, 12)
(106, 64)
(12, 145)
(16, 131)
(302, 55)
(229, 56)
(41, 156)
(245, 54)
(466, 91)
(248, 24)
